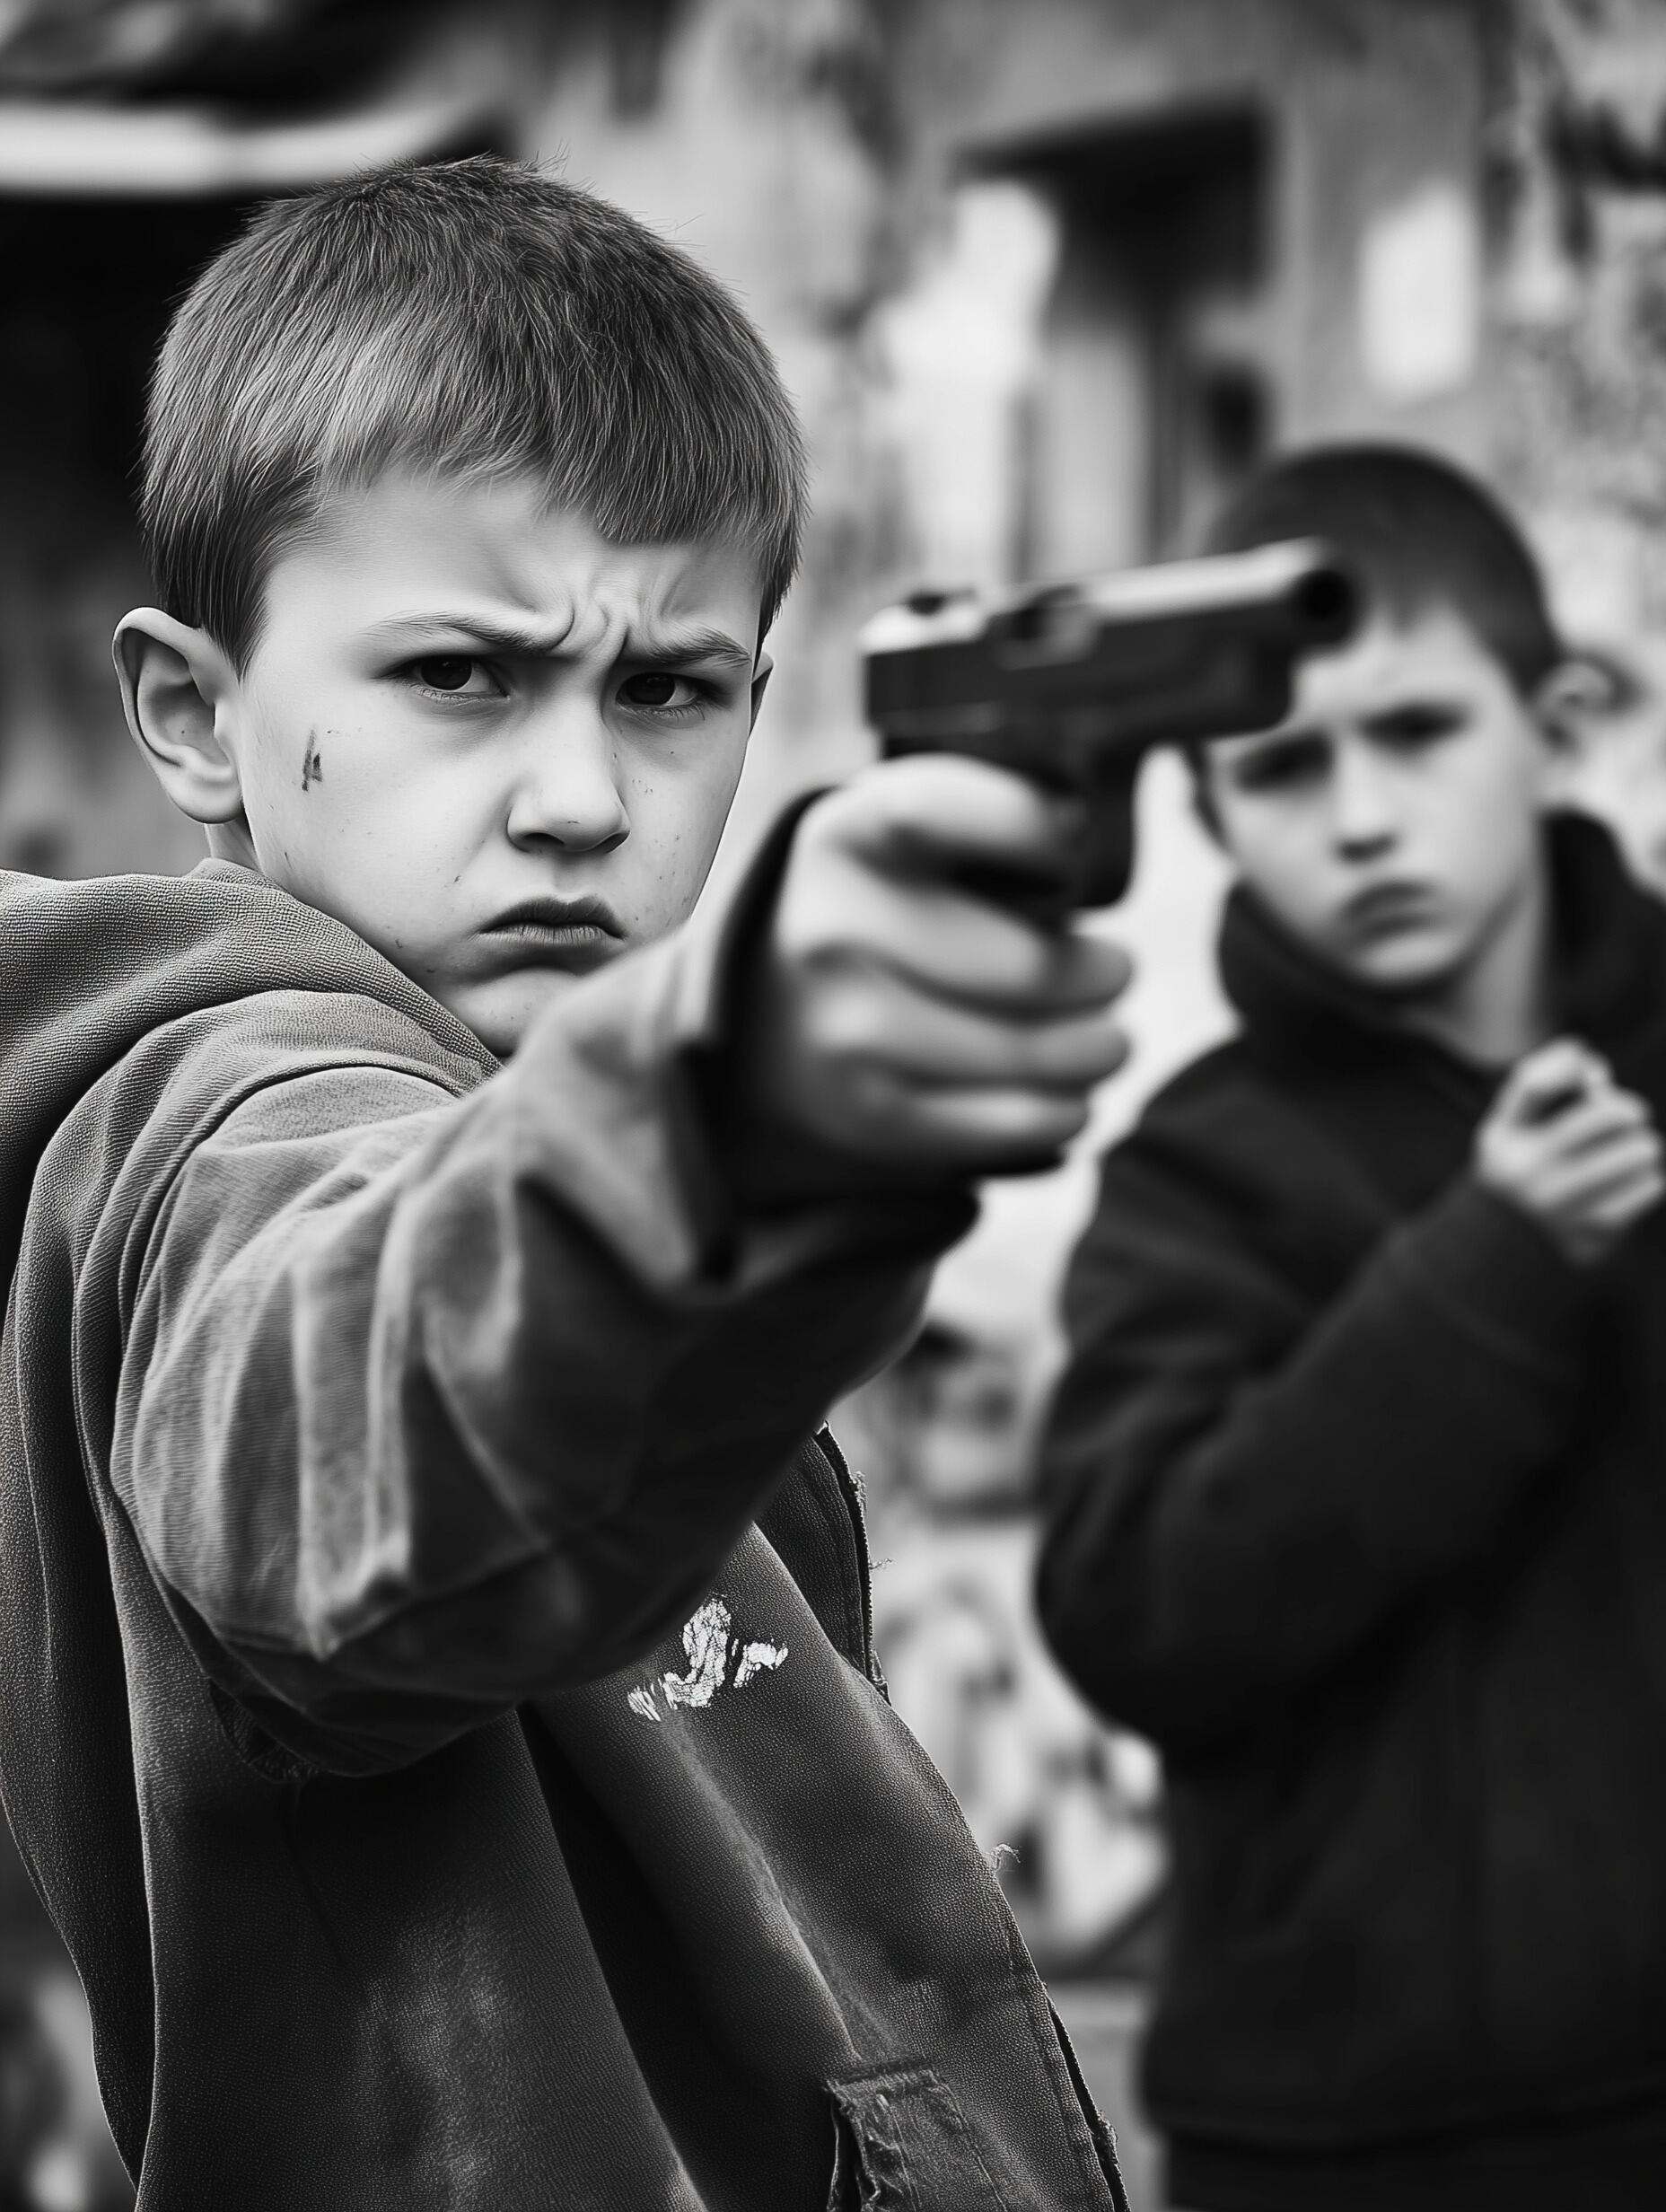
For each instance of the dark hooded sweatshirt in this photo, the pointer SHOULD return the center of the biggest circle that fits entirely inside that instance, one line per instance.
(1357, 1506)
(446, 1738)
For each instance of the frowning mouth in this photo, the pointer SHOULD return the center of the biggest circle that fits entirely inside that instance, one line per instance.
(1390, 906)
(572, 933)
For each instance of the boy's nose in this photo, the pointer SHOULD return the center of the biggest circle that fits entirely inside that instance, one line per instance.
(568, 794)
(1362, 811)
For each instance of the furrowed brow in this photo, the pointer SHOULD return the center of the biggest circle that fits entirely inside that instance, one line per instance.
(713, 647)
(496, 637)
(1251, 745)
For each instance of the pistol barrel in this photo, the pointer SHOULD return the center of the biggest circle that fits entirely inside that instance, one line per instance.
(1074, 683)
(1299, 581)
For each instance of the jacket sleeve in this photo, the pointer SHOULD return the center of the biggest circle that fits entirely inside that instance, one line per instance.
(430, 1404)
(1239, 1492)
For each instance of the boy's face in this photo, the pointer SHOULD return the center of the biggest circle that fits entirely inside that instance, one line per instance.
(497, 746)
(1392, 821)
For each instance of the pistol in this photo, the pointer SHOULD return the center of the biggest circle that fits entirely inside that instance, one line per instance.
(1072, 684)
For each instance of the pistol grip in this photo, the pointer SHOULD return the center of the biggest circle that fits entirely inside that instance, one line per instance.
(1108, 856)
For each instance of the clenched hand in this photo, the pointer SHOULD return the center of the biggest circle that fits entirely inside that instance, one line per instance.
(1566, 1147)
(911, 1013)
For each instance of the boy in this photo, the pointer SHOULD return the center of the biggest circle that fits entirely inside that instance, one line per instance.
(437, 1703)
(1354, 1481)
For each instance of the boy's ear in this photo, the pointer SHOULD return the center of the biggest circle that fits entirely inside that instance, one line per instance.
(1571, 701)
(761, 674)
(1574, 707)
(174, 683)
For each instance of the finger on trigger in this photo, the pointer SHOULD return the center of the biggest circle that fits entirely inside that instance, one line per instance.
(950, 810)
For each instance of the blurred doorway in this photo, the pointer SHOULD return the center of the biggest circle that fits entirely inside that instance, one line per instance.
(1152, 398)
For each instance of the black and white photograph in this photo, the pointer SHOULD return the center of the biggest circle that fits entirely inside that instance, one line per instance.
(832, 1062)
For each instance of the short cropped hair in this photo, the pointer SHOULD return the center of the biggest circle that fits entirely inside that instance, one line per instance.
(473, 319)
(1419, 533)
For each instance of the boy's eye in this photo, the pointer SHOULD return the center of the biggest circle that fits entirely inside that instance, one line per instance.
(1411, 726)
(656, 691)
(1282, 763)
(444, 671)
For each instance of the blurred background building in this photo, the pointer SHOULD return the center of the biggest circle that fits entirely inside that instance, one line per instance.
(1046, 276)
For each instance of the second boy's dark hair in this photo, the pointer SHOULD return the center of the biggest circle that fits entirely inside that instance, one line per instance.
(474, 319)
(1419, 532)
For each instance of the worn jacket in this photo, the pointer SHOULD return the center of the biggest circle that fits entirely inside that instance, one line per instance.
(435, 1695)
(1357, 1504)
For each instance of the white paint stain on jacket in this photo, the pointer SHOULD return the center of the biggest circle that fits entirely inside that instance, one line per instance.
(718, 1657)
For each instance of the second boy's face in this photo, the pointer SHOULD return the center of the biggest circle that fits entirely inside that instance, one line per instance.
(1391, 823)
(499, 747)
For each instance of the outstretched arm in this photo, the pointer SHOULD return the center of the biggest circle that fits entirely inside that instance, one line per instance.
(429, 1404)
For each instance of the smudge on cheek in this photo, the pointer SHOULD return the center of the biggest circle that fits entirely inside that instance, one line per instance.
(312, 767)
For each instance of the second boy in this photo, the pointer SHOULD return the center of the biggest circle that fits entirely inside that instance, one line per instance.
(1356, 1481)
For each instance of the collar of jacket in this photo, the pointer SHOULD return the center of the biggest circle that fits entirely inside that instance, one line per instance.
(1608, 954)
